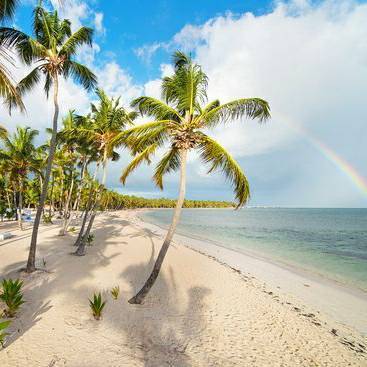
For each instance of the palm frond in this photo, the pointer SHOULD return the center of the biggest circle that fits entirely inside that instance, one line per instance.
(213, 153)
(82, 36)
(254, 108)
(186, 89)
(80, 73)
(134, 134)
(169, 163)
(144, 156)
(154, 107)
(28, 82)
(7, 9)
(10, 37)
(8, 90)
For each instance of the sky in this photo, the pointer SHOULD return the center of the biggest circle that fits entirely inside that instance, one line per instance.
(308, 59)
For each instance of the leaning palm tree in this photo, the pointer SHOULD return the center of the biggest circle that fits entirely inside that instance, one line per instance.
(100, 128)
(51, 53)
(18, 158)
(180, 123)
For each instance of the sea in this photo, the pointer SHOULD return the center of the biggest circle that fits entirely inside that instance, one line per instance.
(328, 242)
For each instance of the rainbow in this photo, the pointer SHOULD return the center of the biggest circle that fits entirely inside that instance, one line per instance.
(344, 166)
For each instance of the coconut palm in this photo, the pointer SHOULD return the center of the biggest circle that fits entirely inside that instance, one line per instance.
(107, 119)
(18, 159)
(181, 123)
(51, 53)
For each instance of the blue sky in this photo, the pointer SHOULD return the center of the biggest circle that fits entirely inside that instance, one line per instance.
(138, 23)
(307, 58)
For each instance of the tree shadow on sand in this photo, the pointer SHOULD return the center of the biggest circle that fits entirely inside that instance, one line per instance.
(58, 274)
(156, 334)
(159, 332)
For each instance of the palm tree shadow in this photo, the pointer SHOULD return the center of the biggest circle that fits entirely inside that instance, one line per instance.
(160, 330)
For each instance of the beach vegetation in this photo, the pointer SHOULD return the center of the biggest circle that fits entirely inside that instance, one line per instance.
(17, 159)
(115, 292)
(50, 52)
(3, 326)
(90, 239)
(12, 296)
(97, 305)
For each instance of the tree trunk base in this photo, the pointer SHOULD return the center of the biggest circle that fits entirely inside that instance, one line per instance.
(78, 253)
(135, 301)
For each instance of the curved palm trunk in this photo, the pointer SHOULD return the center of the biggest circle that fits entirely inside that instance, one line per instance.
(31, 263)
(50, 209)
(80, 189)
(67, 213)
(81, 246)
(140, 296)
(20, 206)
(80, 251)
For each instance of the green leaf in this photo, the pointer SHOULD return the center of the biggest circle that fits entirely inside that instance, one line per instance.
(213, 153)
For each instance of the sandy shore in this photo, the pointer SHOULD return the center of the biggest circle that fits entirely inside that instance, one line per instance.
(199, 313)
(340, 302)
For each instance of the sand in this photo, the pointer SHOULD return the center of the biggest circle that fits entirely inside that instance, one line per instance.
(199, 313)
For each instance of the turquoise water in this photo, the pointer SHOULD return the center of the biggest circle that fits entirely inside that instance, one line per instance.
(330, 242)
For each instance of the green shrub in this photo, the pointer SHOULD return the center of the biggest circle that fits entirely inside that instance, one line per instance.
(12, 296)
(97, 305)
(47, 219)
(90, 239)
(2, 211)
(115, 291)
(10, 213)
(3, 326)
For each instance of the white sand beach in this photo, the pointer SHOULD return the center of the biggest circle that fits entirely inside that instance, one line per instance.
(201, 312)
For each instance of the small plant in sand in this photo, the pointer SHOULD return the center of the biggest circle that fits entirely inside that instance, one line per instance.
(3, 326)
(115, 292)
(90, 239)
(72, 229)
(12, 296)
(47, 219)
(97, 305)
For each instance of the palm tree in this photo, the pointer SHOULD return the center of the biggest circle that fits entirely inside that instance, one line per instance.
(7, 9)
(51, 53)
(180, 123)
(106, 121)
(19, 158)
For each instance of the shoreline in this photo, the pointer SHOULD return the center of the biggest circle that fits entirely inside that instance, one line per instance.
(200, 312)
(341, 302)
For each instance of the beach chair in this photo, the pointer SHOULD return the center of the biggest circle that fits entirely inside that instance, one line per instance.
(5, 236)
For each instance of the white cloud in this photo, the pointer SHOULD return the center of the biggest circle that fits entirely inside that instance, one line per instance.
(146, 52)
(98, 23)
(309, 62)
(117, 82)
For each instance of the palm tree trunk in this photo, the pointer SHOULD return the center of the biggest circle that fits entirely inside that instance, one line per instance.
(20, 206)
(80, 251)
(67, 204)
(31, 263)
(81, 247)
(80, 189)
(50, 209)
(140, 296)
